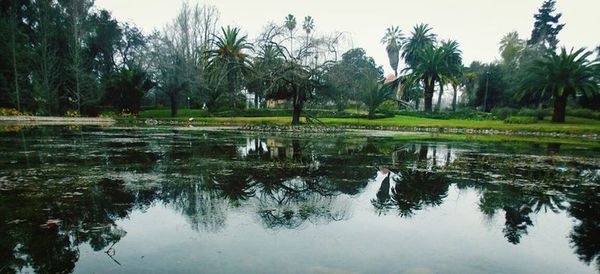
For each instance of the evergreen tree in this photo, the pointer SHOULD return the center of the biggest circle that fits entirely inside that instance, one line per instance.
(546, 26)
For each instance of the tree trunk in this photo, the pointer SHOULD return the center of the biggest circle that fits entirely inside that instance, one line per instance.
(296, 114)
(455, 88)
(256, 100)
(429, 85)
(14, 65)
(560, 106)
(371, 115)
(439, 101)
(173, 99)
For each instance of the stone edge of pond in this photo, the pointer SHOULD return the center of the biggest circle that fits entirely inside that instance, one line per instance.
(50, 120)
(336, 129)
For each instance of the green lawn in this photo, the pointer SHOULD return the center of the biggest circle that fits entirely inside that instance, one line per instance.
(572, 125)
(493, 138)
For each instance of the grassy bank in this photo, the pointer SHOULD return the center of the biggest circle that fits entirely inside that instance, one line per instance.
(494, 139)
(572, 125)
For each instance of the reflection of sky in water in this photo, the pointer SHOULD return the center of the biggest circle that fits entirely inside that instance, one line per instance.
(187, 202)
(452, 238)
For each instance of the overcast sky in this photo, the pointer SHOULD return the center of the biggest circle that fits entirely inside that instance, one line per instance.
(478, 25)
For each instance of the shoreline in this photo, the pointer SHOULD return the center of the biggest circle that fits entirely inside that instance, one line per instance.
(54, 120)
(305, 129)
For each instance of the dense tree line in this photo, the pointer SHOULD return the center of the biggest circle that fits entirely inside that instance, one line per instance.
(68, 55)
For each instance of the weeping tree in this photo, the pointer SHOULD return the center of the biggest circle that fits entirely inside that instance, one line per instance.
(561, 75)
(294, 82)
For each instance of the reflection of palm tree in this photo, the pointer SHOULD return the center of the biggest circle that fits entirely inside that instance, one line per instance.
(546, 200)
(585, 234)
(382, 202)
(517, 221)
(416, 189)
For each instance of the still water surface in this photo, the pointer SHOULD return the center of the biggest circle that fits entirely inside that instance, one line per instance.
(158, 200)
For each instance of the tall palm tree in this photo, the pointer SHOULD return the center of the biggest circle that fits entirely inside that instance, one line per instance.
(511, 47)
(290, 24)
(227, 60)
(452, 67)
(429, 68)
(393, 40)
(421, 37)
(561, 75)
(308, 26)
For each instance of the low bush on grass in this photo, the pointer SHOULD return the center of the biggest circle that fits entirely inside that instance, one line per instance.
(501, 113)
(584, 113)
(465, 114)
(520, 120)
(10, 112)
(535, 112)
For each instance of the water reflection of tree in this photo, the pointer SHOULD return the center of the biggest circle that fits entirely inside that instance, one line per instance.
(203, 207)
(86, 216)
(417, 189)
(420, 182)
(586, 209)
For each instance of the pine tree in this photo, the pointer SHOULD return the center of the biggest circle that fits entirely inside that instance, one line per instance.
(546, 26)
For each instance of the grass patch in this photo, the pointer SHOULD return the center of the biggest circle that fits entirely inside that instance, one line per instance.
(572, 124)
(494, 139)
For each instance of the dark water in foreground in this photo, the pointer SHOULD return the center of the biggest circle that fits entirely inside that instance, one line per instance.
(124, 200)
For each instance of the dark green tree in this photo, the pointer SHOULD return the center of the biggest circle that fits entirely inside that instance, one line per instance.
(546, 26)
(560, 76)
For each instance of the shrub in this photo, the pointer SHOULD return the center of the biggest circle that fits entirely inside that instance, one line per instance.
(388, 108)
(9, 112)
(584, 113)
(520, 120)
(72, 113)
(501, 113)
(465, 114)
(535, 112)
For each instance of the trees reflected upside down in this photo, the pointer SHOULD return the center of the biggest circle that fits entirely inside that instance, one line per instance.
(55, 202)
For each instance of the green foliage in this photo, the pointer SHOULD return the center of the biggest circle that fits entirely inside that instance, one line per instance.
(349, 77)
(561, 75)
(520, 120)
(228, 64)
(502, 113)
(126, 88)
(392, 40)
(375, 95)
(546, 26)
(465, 114)
(534, 112)
(584, 113)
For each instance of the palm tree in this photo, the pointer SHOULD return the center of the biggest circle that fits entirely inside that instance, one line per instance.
(561, 75)
(429, 68)
(227, 60)
(421, 37)
(376, 93)
(269, 57)
(290, 24)
(511, 47)
(308, 26)
(393, 40)
(452, 67)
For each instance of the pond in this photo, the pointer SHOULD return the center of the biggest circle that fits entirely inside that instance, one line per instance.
(181, 200)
